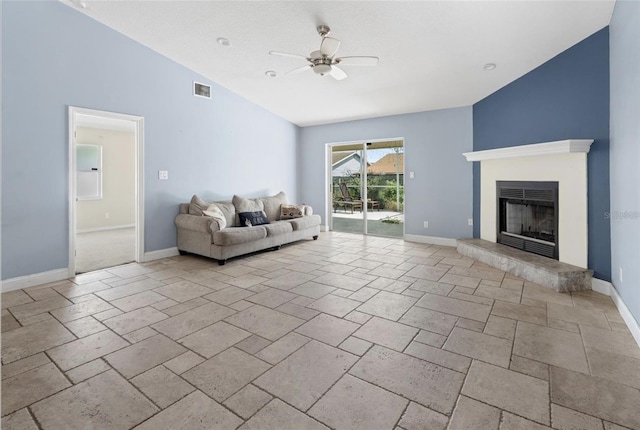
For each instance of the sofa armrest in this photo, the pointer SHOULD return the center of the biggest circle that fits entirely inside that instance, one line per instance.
(202, 224)
(308, 210)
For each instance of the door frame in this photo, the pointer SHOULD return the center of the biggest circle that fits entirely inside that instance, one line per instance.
(139, 181)
(328, 192)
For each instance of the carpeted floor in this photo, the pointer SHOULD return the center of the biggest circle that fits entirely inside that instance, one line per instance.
(101, 249)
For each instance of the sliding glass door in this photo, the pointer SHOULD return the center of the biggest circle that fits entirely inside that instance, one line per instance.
(346, 187)
(385, 189)
(367, 185)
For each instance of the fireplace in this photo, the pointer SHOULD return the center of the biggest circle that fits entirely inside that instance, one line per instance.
(528, 216)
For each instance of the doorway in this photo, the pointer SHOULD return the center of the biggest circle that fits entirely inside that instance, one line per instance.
(105, 189)
(366, 190)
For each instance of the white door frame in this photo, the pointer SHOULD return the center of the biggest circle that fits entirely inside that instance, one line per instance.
(328, 192)
(139, 185)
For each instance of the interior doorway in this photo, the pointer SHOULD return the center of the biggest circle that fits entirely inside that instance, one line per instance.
(366, 190)
(105, 189)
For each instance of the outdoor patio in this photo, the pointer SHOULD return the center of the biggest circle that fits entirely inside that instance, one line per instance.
(347, 222)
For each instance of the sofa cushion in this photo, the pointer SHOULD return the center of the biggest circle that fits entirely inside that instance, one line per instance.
(291, 211)
(272, 205)
(197, 205)
(214, 211)
(248, 219)
(305, 222)
(277, 228)
(238, 235)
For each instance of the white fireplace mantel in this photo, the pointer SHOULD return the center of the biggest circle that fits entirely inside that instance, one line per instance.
(564, 162)
(546, 148)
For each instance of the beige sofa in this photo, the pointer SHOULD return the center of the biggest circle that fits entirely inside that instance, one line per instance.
(209, 236)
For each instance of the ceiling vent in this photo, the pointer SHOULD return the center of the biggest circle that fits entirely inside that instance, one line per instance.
(201, 90)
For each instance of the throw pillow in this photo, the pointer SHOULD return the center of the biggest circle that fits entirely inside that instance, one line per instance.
(272, 205)
(291, 211)
(248, 219)
(246, 205)
(216, 213)
(197, 205)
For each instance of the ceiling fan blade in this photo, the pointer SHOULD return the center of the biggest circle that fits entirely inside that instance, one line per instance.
(329, 46)
(299, 69)
(358, 61)
(284, 54)
(337, 73)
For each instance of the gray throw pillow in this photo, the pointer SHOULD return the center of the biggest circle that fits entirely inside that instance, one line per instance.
(197, 205)
(246, 205)
(272, 205)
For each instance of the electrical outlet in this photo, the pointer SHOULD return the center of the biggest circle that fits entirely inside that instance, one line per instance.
(470, 221)
(620, 273)
(412, 175)
(107, 215)
(426, 224)
(163, 175)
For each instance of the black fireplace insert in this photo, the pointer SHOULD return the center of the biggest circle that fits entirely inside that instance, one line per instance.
(528, 216)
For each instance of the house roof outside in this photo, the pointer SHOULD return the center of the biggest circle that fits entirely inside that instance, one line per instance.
(387, 165)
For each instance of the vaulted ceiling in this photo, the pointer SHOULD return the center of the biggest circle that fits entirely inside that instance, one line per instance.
(432, 53)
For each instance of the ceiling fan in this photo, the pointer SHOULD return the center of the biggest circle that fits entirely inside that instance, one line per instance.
(324, 62)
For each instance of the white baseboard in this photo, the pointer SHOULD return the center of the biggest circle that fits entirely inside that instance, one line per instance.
(444, 241)
(160, 254)
(600, 286)
(35, 279)
(324, 227)
(608, 289)
(113, 227)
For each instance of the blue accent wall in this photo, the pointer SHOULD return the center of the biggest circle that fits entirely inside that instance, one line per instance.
(565, 98)
(625, 153)
(53, 57)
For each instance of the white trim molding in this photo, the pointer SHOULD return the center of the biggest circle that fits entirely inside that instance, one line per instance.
(432, 240)
(607, 288)
(546, 148)
(160, 254)
(135, 122)
(35, 279)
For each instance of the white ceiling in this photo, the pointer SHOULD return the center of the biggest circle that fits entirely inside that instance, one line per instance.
(431, 52)
(104, 123)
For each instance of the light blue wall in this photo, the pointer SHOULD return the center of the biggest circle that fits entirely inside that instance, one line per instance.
(625, 151)
(441, 192)
(53, 57)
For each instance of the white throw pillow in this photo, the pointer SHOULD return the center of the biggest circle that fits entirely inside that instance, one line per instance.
(214, 212)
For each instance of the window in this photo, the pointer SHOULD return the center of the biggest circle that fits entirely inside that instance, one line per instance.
(89, 172)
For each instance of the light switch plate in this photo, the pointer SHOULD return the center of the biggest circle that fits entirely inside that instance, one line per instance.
(163, 175)
(412, 175)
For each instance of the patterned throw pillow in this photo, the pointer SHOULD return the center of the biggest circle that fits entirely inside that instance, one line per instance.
(291, 211)
(216, 213)
(248, 219)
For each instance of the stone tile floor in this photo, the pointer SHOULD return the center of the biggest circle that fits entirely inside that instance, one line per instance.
(347, 332)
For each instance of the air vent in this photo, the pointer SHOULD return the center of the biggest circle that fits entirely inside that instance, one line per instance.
(201, 90)
(544, 195)
(539, 248)
(511, 193)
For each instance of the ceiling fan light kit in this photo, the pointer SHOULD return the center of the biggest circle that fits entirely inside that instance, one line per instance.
(324, 62)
